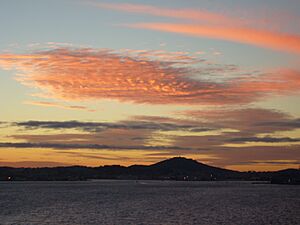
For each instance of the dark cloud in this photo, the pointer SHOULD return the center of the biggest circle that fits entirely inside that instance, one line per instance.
(265, 139)
(92, 156)
(4, 124)
(230, 126)
(217, 130)
(275, 162)
(202, 129)
(292, 124)
(98, 126)
(249, 121)
(85, 146)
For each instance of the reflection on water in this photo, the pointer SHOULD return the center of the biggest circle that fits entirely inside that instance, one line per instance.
(148, 202)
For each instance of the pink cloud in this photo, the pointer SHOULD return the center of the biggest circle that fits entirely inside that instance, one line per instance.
(188, 14)
(87, 74)
(262, 38)
(203, 23)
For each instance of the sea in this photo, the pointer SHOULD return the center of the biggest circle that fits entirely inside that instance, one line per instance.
(148, 202)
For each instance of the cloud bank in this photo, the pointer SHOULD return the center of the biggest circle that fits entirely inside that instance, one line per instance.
(221, 137)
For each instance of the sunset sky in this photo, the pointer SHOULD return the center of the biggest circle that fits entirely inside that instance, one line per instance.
(135, 82)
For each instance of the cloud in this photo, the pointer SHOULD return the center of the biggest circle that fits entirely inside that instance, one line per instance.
(286, 124)
(90, 74)
(144, 131)
(247, 120)
(220, 137)
(208, 130)
(265, 139)
(99, 126)
(58, 105)
(85, 74)
(188, 14)
(55, 138)
(275, 162)
(84, 146)
(33, 164)
(205, 130)
(106, 137)
(230, 157)
(4, 124)
(241, 126)
(103, 156)
(203, 23)
(262, 38)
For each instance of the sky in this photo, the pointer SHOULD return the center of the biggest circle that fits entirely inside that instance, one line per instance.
(136, 82)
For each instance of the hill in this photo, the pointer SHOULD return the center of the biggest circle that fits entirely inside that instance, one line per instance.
(177, 168)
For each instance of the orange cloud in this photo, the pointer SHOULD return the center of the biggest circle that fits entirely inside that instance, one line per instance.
(34, 164)
(189, 14)
(262, 38)
(58, 105)
(87, 74)
(211, 25)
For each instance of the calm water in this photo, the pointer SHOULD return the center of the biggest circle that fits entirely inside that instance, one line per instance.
(148, 202)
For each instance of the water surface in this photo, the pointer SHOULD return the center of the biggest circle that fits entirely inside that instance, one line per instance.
(148, 202)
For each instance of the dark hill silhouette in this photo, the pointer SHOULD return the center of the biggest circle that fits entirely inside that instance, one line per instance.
(186, 165)
(287, 176)
(177, 168)
(189, 169)
(180, 163)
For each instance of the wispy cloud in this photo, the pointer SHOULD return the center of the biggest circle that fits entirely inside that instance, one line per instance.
(222, 136)
(207, 129)
(258, 37)
(203, 23)
(98, 126)
(287, 124)
(85, 146)
(249, 121)
(235, 157)
(267, 139)
(275, 162)
(34, 164)
(59, 105)
(182, 13)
